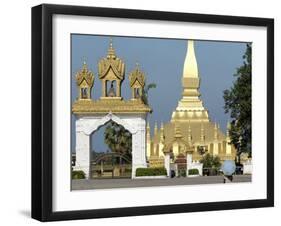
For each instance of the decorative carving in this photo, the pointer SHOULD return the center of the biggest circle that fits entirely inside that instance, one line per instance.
(107, 105)
(84, 80)
(111, 62)
(137, 82)
(137, 76)
(85, 74)
(111, 69)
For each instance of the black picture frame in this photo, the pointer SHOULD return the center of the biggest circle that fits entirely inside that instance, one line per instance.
(42, 108)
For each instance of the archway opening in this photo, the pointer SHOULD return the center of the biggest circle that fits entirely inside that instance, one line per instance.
(111, 152)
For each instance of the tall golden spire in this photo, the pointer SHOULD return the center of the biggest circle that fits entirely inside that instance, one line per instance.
(190, 69)
(190, 107)
(190, 77)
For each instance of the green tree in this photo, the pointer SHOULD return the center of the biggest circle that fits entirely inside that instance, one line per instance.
(238, 102)
(145, 92)
(118, 139)
(210, 161)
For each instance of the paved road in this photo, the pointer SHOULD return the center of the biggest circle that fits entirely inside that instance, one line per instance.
(129, 183)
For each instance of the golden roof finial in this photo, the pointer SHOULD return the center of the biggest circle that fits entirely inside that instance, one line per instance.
(84, 60)
(111, 51)
(84, 63)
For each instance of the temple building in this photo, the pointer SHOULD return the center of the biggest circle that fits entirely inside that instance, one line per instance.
(190, 130)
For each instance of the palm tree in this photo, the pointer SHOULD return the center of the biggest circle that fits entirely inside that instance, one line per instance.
(145, 92)
(118, 139)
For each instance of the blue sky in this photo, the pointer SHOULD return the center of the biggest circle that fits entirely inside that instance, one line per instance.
(162, 61)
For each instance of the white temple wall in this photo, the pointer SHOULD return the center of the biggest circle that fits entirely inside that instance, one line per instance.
(193, 165)
(82, 152)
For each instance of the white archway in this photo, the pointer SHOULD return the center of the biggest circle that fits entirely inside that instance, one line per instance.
(86, 125)
(94, 126)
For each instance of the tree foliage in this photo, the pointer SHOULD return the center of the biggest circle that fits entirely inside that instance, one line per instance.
(210, 161)
(145, 92)
(118, 139)
(238, 102)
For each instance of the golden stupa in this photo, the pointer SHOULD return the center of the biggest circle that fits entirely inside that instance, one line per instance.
(190, 130)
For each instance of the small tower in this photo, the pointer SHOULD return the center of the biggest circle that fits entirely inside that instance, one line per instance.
(161, 140)
(162, 132)
(155, 129)
(84, 81)
(148, 141)
(111, 72)
(216, 144)
(216, 132)
(228, 144)
(137, 82)
(156, 143)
